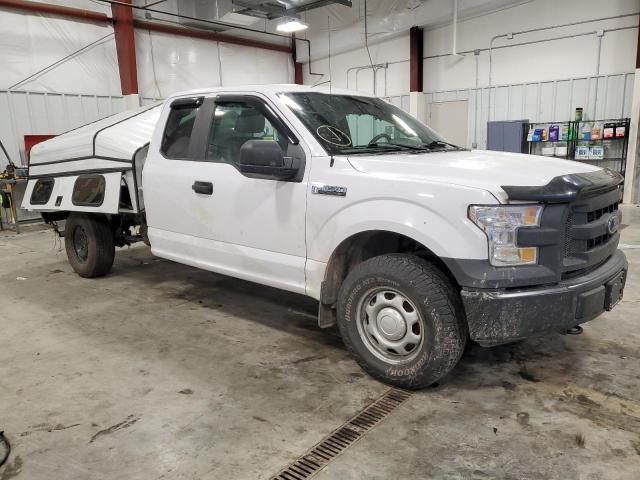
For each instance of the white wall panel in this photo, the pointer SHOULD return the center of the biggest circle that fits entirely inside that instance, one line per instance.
(179, 63)
(562, 99)
(628, 97)
(516, 102)
(41, 113)
(168, 64)
(550, 58)
(606, 96)
(546, 101)
(29, 43)
(245, 66)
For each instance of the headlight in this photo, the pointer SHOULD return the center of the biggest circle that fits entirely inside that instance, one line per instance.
(501, 224)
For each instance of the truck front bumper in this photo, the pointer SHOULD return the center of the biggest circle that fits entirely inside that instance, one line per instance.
(506, 315)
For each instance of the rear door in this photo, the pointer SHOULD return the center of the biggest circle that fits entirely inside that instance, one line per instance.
(203, 211)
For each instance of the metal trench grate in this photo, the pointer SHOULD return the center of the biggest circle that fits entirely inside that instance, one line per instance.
(337, 442)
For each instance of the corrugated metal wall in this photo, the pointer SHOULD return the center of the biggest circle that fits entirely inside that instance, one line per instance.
(38, 113)
(604, 96)
(607, 96)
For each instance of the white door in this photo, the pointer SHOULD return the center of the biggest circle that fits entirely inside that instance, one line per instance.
(450, 119)
(212, 215)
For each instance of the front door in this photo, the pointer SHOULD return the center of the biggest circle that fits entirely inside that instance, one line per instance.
(203, 211)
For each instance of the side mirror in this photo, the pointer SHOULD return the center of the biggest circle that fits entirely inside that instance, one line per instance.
(264, 158)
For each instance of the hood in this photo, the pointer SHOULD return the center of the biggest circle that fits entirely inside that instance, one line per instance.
(482, 169)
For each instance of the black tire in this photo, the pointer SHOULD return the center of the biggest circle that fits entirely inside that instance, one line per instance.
(94, 256)
(440, 316)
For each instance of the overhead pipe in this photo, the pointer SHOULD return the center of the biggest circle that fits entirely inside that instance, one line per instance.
(375, 68)
(510, 36)
(309, 57)
(520, 44)
(491, 47)
(454, 41)
(474, 144)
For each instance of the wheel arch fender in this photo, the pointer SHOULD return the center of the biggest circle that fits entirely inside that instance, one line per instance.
(436, 234)
(446, 232)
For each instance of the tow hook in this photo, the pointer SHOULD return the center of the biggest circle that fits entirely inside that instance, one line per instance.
(577, 330)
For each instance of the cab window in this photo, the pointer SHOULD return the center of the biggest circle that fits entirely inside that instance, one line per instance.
(177, 133)
(235, 123)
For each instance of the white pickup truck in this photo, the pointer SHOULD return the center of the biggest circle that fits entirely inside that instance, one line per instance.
(410, 244)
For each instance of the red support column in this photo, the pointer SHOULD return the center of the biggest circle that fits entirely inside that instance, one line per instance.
(416, 47)
(125, 47)
(298, 76)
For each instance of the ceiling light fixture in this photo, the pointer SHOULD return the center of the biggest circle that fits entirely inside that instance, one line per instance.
(291, 24)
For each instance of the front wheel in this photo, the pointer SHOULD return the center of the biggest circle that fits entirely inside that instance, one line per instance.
(90, 245)
(402, 320)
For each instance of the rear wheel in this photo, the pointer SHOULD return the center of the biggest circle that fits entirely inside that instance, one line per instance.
(89, 244)
(402, 319)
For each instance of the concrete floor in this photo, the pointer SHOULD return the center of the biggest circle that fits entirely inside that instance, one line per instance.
(164, 371)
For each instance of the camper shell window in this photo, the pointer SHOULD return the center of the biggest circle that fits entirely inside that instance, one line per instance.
(42, 191)
(88, 190)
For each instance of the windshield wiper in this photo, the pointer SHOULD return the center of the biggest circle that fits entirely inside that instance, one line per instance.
(397, 145)
(439, 143)
(370, 149)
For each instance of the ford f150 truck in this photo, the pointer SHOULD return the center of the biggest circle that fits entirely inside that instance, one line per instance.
(410, 244)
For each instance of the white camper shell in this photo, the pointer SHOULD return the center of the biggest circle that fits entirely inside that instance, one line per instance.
(95, 168)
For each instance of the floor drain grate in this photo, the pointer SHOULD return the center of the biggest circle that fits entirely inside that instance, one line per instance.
(335, 443)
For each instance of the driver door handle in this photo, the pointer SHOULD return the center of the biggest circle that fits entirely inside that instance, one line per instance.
(205, 188)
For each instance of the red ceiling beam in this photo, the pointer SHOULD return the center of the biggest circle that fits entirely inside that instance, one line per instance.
(45, 8)
(207, 35)
(88, 15)
(125, 47)
(416, 69)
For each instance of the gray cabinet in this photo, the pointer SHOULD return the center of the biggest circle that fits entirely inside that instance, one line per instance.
(507, 136)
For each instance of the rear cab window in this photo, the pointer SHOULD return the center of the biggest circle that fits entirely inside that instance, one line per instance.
(179, 127)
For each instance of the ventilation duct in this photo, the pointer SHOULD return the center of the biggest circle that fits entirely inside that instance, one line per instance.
(212, 11)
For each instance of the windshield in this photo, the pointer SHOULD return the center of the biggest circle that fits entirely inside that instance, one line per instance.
(346, 124)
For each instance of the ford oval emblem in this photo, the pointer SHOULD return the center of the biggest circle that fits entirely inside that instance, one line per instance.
(612, 224)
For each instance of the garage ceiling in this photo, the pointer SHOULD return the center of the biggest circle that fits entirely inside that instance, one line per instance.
(205, 13)
(282, 8)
